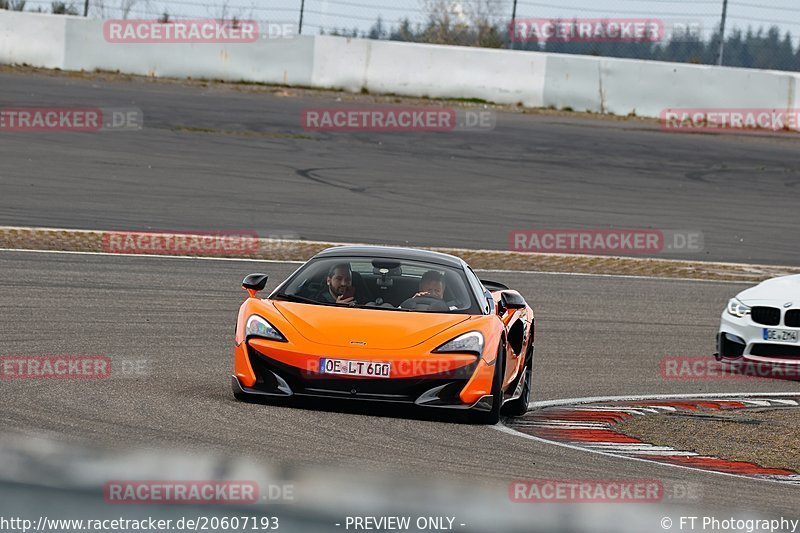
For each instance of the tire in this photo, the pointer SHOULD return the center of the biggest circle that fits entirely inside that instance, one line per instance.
(519, 406)
(492, 417)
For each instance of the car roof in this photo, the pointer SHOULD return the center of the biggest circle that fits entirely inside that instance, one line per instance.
(392, 252)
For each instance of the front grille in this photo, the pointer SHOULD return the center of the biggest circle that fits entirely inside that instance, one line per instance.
(792, 318)
(776, 350)
(769, 316)
(395, 389)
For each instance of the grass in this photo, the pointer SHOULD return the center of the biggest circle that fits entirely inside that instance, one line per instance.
(768, 438)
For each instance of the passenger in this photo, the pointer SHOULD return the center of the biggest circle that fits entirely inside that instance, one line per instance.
(431, 285)
(339, 286)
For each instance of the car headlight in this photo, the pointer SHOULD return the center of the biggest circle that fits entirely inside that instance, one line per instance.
(471, 342)
(737, 308)
(259, 327)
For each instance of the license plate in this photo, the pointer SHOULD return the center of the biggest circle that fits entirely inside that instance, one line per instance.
(348, 367)
(780, 335)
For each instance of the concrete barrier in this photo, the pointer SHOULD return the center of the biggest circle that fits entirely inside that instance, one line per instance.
(573, 82)
(533, 79)
(434, 71)
(645, 88)
(32, 39)
(340, 63)
(279, 61)
(429, 70)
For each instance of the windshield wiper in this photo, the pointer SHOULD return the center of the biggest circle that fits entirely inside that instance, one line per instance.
(380, 307)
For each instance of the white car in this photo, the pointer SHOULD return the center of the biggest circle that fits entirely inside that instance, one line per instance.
(762, 323)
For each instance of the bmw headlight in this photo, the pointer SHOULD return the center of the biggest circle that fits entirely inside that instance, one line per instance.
(737, 308)
(259, 327)
(471, 342)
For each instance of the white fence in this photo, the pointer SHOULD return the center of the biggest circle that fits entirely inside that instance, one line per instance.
(533, 79)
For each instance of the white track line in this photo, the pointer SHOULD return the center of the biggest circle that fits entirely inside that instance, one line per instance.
(762, 403)
(630, 446)
(555, 426)
(157, 256)
(573, 401)
(455, 250)
(626, 410)
(621, 276)
(242, 259)
(643, 397)
(563, 423)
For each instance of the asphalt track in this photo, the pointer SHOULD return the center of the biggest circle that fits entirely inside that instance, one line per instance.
(596, 336)
(253, 168)
(216, 158)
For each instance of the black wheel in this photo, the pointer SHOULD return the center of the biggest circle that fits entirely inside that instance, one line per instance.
(493, 416)
(519, 406)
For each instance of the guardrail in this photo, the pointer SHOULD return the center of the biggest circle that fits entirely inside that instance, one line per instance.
(532, 79)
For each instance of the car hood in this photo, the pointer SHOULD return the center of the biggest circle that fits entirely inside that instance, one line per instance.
(773, 291)
(378, 329)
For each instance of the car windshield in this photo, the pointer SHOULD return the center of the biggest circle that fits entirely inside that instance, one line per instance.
(380, 283)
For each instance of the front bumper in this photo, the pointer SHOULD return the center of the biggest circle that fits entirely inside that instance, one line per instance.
(275, 378)
(743, 339)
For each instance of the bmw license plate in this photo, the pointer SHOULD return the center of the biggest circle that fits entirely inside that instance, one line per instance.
(780, 335)
(347, 367)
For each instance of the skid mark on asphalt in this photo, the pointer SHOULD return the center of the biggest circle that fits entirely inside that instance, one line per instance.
(592, 427)
(313, 174)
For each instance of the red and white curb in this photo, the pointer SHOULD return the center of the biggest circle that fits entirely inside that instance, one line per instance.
(589, 424)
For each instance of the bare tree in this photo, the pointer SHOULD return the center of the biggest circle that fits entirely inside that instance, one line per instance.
(447, 23)
(62, 8)
(106, 9)
(485, 17)
(464, 22)
(13, 5)
(223, 12)
(125, 6)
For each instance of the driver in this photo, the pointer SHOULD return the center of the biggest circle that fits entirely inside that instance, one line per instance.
(430, 296)
(431, 285)
(339, 286)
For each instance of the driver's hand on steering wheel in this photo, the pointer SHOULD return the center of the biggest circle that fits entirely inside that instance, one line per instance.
(426, 294)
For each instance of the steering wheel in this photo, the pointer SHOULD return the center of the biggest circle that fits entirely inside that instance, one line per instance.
(424, 303)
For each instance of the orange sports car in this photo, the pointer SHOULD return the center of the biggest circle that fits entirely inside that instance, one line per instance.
(387, 324)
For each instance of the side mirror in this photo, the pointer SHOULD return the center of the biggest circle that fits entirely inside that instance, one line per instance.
(512, 300)
(254, 283)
